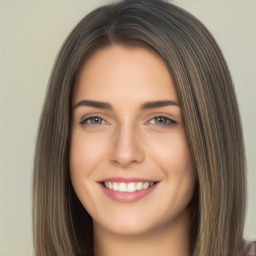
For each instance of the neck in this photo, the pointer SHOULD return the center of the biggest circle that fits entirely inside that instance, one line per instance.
(167, 240)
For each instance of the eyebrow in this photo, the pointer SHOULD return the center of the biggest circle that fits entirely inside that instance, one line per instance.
(159, 104)
(146, 105)
(92, 103)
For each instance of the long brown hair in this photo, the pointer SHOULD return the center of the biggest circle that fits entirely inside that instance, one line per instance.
(211, 118)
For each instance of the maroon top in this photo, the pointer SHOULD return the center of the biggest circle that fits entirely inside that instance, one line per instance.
(252, 249)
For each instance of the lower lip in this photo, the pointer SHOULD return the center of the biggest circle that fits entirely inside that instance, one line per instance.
(127, 196)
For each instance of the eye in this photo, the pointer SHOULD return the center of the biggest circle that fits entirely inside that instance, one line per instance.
(162, 120)
(93, 120)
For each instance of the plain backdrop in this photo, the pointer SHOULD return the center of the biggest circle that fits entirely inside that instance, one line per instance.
(32, 32)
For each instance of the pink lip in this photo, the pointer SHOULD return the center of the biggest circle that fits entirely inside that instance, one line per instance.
(127, 179)
(127, 196)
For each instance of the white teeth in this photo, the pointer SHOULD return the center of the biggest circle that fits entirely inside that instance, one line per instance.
(122, 187)
(145, 185)
(139, 186)
(115, 186)
(128, 187)
(131, 187)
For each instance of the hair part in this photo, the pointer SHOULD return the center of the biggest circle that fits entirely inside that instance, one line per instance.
(210, 114)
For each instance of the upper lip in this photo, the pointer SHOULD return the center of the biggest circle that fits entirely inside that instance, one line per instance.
(127, 179)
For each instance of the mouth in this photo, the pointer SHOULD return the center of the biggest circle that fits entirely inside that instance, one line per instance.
(128, 187)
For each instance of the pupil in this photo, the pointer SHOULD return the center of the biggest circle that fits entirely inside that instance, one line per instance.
(96, 120)
(161, 120)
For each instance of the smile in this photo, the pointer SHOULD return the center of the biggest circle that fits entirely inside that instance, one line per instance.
(128, 187)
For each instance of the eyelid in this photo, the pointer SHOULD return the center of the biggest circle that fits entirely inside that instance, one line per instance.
(85, 118)
(171, 120)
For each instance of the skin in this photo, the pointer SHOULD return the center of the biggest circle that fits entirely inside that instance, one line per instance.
(129, 141)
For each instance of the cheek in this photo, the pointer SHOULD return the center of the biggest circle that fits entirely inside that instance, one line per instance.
(173, 156)
(171, 152)
(86, 152)
(178, 165)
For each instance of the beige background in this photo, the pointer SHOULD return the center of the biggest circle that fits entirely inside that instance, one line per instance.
(31, 34)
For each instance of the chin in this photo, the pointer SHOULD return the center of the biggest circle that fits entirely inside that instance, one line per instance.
(127, 228)
(139, 224)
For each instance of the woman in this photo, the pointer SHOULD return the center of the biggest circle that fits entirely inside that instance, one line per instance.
(140, 148)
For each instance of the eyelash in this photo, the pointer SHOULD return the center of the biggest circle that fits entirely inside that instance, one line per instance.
(85, 121)
(168, 121)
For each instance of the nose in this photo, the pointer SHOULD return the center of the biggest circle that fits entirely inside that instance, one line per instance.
(127, 146)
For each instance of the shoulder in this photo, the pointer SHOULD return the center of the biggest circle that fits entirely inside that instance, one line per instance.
(251, 249)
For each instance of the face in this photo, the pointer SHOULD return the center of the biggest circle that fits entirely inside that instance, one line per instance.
(130, 163)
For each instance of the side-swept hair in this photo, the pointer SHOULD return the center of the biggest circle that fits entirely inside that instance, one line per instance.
(211, 119)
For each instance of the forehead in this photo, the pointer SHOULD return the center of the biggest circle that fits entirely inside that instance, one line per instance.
(133, 72)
